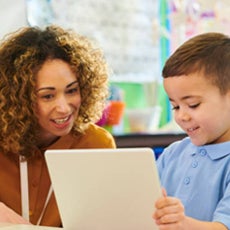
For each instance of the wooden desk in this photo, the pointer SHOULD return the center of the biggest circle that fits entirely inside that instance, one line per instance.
(6, 226)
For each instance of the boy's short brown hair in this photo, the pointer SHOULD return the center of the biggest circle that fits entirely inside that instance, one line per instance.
(208, 53)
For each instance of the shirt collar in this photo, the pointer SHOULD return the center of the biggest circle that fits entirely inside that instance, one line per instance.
(215, 151)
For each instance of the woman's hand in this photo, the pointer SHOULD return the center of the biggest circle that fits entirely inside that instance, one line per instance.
(7, 215)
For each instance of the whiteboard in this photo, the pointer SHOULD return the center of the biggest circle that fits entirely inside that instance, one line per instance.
(124, 29)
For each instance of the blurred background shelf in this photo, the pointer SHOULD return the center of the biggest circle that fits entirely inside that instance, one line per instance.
(156, 141)
(147, 140)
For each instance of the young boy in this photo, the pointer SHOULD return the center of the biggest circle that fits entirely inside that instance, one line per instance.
(195, 172)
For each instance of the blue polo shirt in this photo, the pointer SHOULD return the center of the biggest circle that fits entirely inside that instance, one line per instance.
(199, 176)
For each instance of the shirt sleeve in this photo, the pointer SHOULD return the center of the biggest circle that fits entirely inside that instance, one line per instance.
(222, 212)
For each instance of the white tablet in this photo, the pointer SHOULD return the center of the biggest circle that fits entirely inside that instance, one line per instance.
(105, 189)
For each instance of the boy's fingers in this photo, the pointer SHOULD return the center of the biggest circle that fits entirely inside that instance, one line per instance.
(164, 192)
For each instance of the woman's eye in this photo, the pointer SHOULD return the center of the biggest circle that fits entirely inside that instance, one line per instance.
(47, 96)
(73, 90)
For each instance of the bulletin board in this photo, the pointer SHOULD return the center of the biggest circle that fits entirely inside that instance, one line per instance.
(192, 17)
(180, 20)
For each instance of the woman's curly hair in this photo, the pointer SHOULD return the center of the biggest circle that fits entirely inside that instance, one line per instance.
(22, 54)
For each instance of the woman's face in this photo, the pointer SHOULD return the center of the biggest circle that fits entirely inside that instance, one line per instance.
(58, 99)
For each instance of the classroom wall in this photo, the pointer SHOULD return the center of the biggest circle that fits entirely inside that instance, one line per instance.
(12, 15)
(135, 79)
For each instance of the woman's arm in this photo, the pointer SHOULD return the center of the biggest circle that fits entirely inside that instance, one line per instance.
(7, 215)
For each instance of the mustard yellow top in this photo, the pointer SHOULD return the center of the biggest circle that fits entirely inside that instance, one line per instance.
(38, 177)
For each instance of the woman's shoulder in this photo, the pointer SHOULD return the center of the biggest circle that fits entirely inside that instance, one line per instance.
(98, 137)
(97, 130)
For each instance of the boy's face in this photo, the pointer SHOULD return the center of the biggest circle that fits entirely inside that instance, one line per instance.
(199, 108)
(58, 99)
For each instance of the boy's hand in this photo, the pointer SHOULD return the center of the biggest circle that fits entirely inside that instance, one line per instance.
(169, 213)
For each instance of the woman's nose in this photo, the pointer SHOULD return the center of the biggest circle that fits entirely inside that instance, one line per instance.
(62, 105)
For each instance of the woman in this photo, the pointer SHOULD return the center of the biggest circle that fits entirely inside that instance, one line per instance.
(54, 85)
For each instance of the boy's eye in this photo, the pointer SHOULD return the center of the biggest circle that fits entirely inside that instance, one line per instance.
(194, 106)
(175, 107)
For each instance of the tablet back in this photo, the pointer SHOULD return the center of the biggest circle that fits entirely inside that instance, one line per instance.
(105, 189)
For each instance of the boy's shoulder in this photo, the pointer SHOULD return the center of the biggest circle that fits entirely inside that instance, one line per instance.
(178, 149)
(184, 143)
(185, 147)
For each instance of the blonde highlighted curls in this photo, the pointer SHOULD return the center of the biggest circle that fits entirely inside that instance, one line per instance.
(21, 56)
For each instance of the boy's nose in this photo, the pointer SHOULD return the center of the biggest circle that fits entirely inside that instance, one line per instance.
(183, 115)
